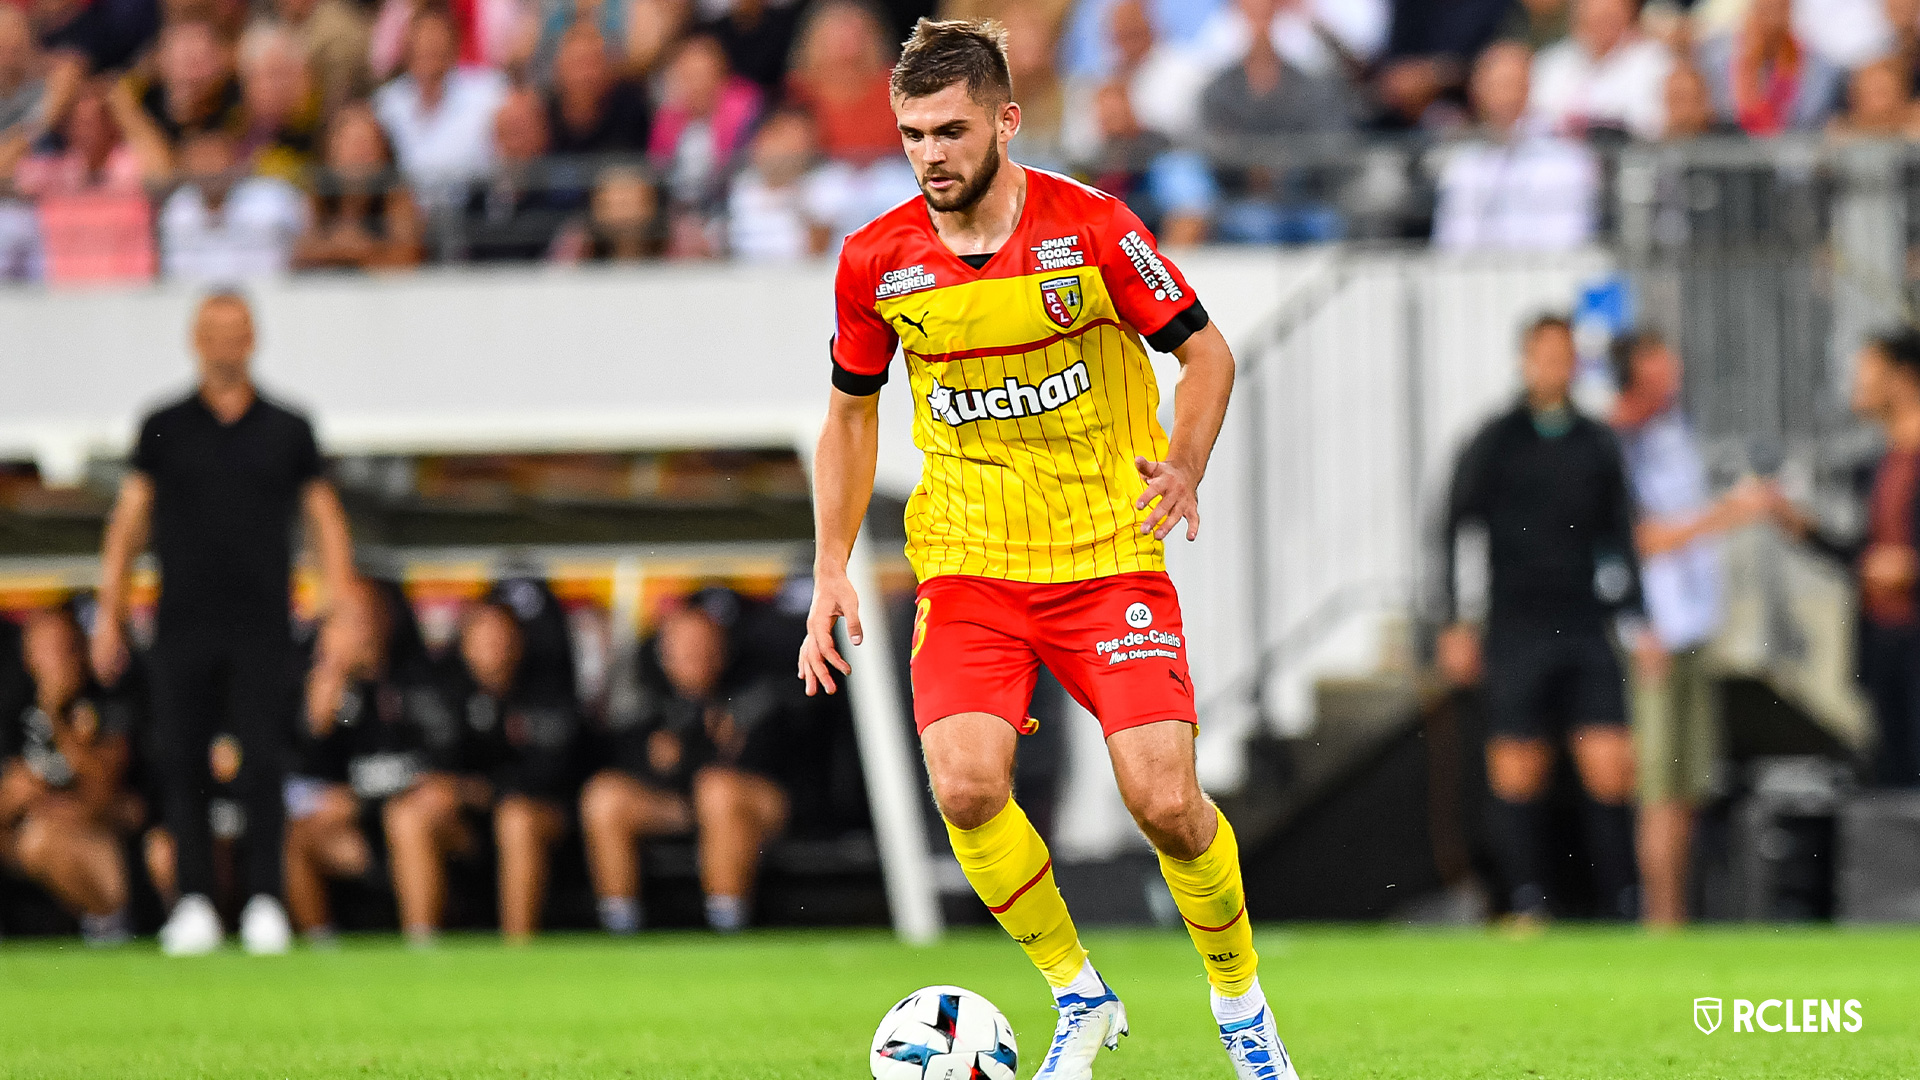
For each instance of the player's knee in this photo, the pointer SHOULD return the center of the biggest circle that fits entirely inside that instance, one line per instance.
(1604, 756)
(1176, 821)
(1517, 771)
(970, 802)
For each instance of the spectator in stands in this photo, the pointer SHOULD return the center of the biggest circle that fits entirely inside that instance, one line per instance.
(1031, 45)
(770, 216)
(527, 729)
(518, 212)
(706, 116)
(710, 749)
(92, 157)
(23, 88)
(1548, 486)
(94, 36)
(1765, 79)
(439, 118)
(1689, 106)
(1265, 97)
(1172, 191)
(335, 39)
(361, 215)
(840, 69)
(283, 107)
(1163, 81)
(1431, 44)
(654, 29)
(193, 90)
(591, 108)
(65, 808)
(1880, 103)
(1605, 78)
(373, 728)
(623, 222)
(757, 36)
(1335, 39)
(1903, 26)
(1088, 51)
(1886, 560)
(496, 34)
(1677, 730)
(220, 226)
(1511, 188)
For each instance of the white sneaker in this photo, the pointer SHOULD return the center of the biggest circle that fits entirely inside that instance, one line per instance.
(193, 929)
(264, 929)
(1086, 1024)
(1255, 1048)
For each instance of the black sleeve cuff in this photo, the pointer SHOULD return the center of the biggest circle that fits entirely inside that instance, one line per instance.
(856, 383)
(1189, 322)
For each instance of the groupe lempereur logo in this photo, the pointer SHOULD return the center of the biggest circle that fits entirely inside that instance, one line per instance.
(1806, 1016)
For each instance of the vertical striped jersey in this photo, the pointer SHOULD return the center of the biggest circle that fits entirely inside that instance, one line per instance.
(1032, 392)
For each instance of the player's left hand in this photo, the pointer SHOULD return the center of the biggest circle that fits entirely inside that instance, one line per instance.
(1177, 497)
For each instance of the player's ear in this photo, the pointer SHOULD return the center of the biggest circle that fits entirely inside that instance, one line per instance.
(1010, 119)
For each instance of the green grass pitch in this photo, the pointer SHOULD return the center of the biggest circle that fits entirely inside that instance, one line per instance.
(1353, 1002)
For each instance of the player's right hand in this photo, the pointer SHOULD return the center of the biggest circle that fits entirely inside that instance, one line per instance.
(108, 651)
(833, 598)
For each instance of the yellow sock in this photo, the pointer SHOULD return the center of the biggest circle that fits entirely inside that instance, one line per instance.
(1213, 902)
(1009, 867)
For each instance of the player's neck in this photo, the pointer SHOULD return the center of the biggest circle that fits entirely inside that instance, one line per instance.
(985, 227)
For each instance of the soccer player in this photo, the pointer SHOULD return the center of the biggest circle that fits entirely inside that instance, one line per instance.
(1020, 299)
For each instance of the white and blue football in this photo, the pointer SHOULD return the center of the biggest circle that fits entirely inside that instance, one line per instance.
(944, 1033)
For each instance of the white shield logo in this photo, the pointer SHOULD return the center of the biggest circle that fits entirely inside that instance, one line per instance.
(1706, 1015)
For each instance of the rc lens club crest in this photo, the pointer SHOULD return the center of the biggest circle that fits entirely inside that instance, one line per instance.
(1061, 298)
(1706, 1014)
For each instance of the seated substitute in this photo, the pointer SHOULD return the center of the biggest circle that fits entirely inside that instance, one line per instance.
(64, 802)
(525, 732)
(709, 747)
(374, 728)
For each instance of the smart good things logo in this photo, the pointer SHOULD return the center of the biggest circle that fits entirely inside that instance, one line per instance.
(1804, 1016)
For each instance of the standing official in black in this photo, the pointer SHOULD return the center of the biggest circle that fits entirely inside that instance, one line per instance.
(1550, 488)
(219, 479)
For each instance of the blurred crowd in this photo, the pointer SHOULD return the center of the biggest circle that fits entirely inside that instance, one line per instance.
(223, 139)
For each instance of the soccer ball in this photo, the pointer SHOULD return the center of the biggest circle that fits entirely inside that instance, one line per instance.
(944, 1033)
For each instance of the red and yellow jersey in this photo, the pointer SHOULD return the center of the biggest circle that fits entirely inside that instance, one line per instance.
(1032, 393)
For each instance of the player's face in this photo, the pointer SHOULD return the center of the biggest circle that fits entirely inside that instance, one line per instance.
(490, 644)
(51, 649)
(954, 143)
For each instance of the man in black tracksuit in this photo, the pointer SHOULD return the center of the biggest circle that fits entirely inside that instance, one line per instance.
(1549, 487)
(219, 479)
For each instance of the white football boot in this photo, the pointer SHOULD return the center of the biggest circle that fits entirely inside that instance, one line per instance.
(193, 929)
(1086, 1024)
(264, 929)
(1255, 1048)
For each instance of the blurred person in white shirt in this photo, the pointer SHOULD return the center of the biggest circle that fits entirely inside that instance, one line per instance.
(1513, 188)
(1163, 80)
(1605, 76)
(220, 227)
(769, 215)
(439, 117)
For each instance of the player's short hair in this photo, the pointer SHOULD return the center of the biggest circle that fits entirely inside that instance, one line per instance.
(1901, 348)
(1539, 324)
(947, 51)
(1626, 349)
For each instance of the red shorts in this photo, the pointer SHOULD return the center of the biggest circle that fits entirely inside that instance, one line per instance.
(1115, 643)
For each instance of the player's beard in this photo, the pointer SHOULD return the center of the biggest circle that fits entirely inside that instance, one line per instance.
(970, 190)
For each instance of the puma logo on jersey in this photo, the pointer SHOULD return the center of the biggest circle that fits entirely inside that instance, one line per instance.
(1010, 401)
(913, 322)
